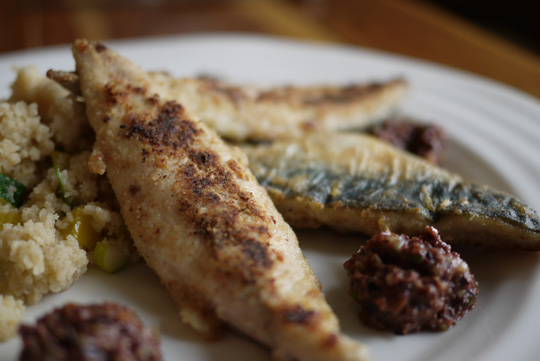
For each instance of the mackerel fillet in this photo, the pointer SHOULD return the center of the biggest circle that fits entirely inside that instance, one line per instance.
(355, 182)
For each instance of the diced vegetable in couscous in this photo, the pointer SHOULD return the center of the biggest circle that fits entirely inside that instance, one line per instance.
(81, 229)
(53, 211)
(111, 256)
(9, 214)
(11, 191)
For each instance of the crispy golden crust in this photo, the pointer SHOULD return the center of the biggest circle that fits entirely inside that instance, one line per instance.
(242, 113)
(250, 113)
(200, 219)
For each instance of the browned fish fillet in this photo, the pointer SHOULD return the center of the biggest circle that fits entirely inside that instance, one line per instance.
(253, 113)
(200, 219)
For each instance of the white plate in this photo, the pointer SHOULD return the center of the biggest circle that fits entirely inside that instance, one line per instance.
(495, 138)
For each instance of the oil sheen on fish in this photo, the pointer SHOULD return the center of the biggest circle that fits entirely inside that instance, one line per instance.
(199, 218)
(355, 182)
(252, 113)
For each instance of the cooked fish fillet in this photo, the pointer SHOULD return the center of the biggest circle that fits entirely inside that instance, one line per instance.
(241, 112)
(252, 113)
(200, 219)
(355, 182)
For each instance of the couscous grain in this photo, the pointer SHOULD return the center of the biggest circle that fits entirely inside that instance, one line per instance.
(45, 144)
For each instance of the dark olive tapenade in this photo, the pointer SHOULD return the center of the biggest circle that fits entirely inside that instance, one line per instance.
(99, 332)
(408, 285)
(425, 140)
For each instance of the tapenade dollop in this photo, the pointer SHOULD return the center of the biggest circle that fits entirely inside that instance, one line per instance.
(408, 285)
(99, 332)
(425, 140)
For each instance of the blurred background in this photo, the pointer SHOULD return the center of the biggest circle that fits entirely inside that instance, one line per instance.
(497, 39)
(515, 20)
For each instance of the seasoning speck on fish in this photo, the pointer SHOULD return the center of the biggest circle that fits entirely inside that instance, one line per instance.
(408, 285)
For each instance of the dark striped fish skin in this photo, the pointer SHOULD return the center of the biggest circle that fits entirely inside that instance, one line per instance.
(354, 182)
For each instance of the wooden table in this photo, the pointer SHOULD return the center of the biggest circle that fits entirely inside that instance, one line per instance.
(408, 27)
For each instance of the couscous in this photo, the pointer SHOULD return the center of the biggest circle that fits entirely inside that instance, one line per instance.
(48, 241)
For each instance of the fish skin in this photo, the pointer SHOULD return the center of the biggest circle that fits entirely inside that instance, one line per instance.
(354, 182)
(249, 113)
(200, 220)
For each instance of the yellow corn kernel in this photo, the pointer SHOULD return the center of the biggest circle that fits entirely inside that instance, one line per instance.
(81, 228)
